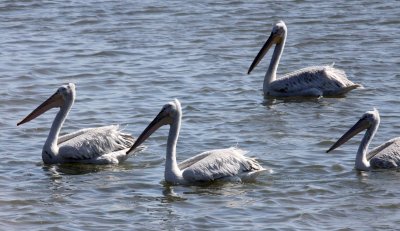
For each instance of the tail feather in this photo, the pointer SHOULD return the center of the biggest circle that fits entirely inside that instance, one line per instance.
(343, 90)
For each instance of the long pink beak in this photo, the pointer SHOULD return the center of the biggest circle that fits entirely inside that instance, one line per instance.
(271, 40)
(55, 100)
(160, 120)
(357, 128)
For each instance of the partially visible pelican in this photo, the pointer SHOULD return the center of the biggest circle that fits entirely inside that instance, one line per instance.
(386, 155)
(312, 81)
(211, 165)
(102, 145)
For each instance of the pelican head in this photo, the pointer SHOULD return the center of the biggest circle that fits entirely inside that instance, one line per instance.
(168, 115)
(278, 35)
(65, 93)
(368, 120)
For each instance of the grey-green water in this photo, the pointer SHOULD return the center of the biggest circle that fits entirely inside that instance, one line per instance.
(128, 58)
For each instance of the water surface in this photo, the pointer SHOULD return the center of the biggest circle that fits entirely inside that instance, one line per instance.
(128, 58)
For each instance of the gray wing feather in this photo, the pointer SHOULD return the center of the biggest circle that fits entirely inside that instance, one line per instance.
(188, 162)
(71, 135)
(325, 78)
(386, 155)
(220, 163)
(95, 142)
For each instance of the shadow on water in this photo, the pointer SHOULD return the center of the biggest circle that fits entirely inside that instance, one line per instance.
(80, 169)
(169, 195)
(272, 101)
(173, 193)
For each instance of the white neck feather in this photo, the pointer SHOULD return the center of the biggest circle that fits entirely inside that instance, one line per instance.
(172, 172)
(270, 76)
(50, 148)
(362, 163)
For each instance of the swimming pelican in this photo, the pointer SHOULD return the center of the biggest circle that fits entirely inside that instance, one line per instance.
(227, 164)
(102, 145)
(386, 155)
(312, 81)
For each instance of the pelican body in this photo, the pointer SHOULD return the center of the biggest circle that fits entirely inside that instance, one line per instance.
(101, 145)
(230, 163)
(314, 81)
(384, 156)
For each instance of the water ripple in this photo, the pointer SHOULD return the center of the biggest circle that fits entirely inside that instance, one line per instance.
(129, 58)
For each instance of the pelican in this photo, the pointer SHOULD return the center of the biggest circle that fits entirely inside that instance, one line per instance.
(102, 145)
(386, 155)
(315, 81)
(226, 164)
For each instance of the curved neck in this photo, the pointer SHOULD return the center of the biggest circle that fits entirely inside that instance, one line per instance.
(270, 76)
(362, 163)
(172, 172)
(50, 148)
